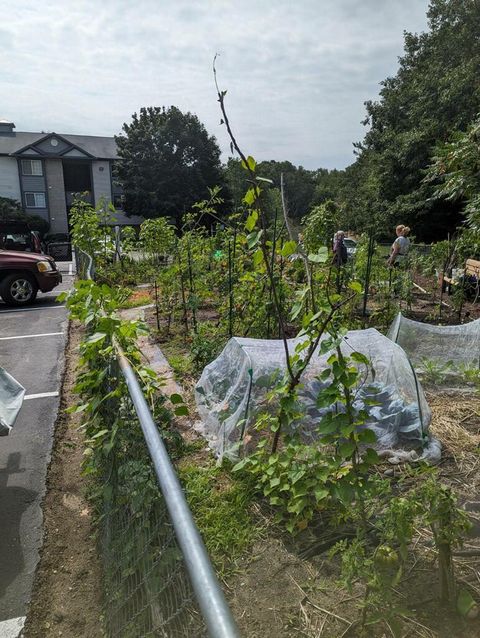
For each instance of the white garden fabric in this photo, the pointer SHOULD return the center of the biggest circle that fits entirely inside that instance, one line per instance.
(233, 389)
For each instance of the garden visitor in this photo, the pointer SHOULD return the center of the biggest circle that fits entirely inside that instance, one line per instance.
(400, 246)
(340, 254)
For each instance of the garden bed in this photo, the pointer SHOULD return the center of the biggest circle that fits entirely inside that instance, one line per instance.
(284, 586)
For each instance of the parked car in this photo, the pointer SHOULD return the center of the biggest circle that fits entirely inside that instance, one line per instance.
(351, 246)
(17, 235)
(23, 274)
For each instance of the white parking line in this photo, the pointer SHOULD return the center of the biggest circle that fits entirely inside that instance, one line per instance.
(12, 627)
(44, 334)
(40, 395)
(5, 312)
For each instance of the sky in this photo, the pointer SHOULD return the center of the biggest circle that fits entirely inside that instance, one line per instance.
(297, 72)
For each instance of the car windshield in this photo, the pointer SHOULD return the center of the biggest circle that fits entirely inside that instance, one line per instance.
(15, 241)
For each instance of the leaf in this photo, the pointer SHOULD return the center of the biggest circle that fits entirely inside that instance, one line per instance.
(289, 247)
(251, 221)
(254, 238)
(97, 336)
(249, 197)
(240, 465)
(346, 449)
(296, 310)
(367, 436)
(360, 358)
(176, 398)
(321, 493)
(465, 602)
(251, 163)
(320, 257)
(356, 286)
(265, 179)
(257, 258)
(181, 410)
(99, 434)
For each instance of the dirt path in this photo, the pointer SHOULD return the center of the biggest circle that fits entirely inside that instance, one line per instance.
(66, 599)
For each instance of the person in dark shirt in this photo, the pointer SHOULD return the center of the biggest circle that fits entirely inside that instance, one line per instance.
(340, 257)
(340, 254)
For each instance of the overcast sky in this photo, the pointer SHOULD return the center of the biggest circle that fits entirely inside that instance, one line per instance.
(297, 71)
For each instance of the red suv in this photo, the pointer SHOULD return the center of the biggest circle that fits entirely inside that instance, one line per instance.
(23, 274)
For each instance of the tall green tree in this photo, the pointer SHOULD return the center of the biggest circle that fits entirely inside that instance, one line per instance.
(167, 162)
(11, 210)
(299, 184)
(436, 90)
(456, 166)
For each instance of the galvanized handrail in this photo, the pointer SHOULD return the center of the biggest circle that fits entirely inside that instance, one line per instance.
(209, 594)
(211, 599)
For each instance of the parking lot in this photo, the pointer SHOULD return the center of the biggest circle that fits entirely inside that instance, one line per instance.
(32, 345)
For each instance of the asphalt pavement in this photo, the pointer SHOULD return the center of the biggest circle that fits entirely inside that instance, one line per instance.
(32, 349)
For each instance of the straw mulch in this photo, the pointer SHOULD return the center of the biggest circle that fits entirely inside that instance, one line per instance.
(456, 422)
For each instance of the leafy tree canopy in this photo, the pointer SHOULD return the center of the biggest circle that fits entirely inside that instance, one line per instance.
(11, 210)
(435, 90)
(167, 162)
(319, 226)
(303, 188)
(456, 171)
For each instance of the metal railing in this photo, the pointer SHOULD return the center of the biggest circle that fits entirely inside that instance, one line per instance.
(159, 580)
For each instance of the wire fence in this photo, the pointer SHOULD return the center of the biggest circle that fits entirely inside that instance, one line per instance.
(158, 578)
(147, 588)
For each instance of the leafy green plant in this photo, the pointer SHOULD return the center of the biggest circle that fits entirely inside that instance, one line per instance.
(319, 226)
(157, 236)
(434, 372)
(295, 480)
(449, 525)
(205, 346)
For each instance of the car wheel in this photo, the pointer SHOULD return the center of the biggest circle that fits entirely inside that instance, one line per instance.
(18, 289)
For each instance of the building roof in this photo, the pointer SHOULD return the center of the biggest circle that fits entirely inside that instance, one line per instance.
(98, 147)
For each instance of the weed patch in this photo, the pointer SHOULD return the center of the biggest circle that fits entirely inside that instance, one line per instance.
(222, 510)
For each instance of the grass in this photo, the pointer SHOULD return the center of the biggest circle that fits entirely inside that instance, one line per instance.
(222, 510)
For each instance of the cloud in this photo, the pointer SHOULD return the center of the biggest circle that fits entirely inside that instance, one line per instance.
(297, 74)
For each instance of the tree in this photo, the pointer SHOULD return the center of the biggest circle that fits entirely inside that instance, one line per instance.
(11, 210)
(299, 184)
(319, 226)
(435, 91)
(167, 162)
(456, 165)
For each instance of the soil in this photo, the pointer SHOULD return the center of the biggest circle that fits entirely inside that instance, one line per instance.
(67, 593)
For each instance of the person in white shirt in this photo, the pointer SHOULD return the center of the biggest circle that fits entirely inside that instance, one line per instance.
(400, 246)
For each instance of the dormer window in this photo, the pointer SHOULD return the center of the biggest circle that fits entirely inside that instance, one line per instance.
(32, 167)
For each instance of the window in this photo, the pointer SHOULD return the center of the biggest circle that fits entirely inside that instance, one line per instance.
(32, 167)
(35, 200)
